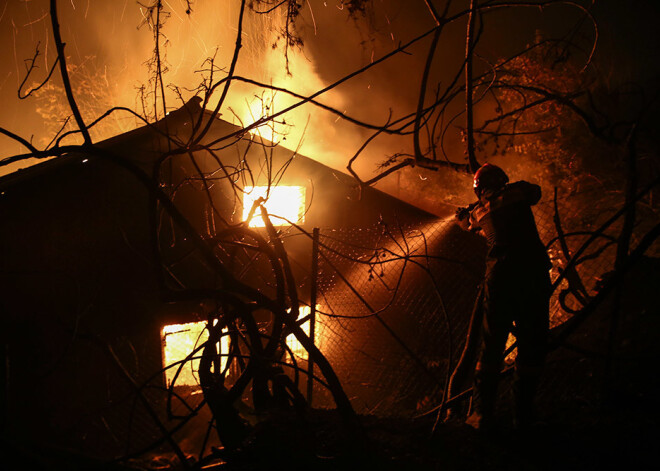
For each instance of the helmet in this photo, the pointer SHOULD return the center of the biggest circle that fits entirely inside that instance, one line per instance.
(490, 178)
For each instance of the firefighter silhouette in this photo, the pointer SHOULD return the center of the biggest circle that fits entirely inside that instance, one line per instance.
(516, 291)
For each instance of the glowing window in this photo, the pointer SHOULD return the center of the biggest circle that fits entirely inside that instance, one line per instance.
(283, 203)
(292, 342)
(179, 340)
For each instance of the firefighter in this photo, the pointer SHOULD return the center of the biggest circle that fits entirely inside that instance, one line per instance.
(516, 291)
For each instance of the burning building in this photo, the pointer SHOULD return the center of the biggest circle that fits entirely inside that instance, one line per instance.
(93, 343)
(104, 347)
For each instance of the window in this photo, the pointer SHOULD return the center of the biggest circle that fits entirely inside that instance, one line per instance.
(283, 203)
(292, 342)
(179, 340)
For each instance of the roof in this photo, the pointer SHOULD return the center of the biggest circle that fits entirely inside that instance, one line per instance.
(144, 147)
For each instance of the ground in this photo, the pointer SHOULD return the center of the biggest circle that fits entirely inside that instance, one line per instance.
(621, 438)
(596, 412)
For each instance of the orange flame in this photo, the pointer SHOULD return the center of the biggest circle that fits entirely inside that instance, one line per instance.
(284, 203)
(179, 340)
(292, 342)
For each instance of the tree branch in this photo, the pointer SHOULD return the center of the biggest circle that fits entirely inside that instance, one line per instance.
(65, 74)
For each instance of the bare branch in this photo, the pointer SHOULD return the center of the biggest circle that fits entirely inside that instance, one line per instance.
(30, 69)
(24, 142)
(65, 74)
(469, 50)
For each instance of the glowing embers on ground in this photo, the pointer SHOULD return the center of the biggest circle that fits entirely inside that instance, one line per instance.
(283, 203)
(179, 341)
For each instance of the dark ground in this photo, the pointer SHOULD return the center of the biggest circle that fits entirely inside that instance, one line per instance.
(587, 423)
(596, 411)
(618, 438)
(594, 414)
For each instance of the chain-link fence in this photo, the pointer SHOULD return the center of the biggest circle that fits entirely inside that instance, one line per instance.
(393, 309)
(396, 302)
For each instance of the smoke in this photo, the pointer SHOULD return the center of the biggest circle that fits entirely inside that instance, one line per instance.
(109, 46)
(108, 53)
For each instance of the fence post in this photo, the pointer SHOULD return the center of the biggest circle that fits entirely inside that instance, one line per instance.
(312, 312)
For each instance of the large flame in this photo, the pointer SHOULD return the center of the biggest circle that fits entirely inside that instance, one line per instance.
(108, 68)
(283, 203)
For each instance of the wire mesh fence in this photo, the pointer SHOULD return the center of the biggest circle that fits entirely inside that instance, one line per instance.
(396, 332)
(393, 310)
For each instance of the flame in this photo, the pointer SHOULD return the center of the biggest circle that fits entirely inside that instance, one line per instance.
(262, 107)
(285, 203)
(511, 357)
(179, 340)
(304, 128)
(292, 342)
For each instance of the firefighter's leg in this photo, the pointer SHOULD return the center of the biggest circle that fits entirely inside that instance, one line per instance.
(532, 334)
(495, 331)
(484, 395)
(525, 387)
(461, 374)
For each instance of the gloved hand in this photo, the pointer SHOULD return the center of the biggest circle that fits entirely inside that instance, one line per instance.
(462, 213)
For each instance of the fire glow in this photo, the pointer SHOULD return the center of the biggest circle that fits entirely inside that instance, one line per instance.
(179, 340)
(292, 342)
(284, 203)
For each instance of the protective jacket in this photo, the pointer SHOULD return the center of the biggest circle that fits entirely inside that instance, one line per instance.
(515, 294)
(507, 222)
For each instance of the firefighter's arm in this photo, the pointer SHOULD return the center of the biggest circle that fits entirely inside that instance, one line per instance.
(463, 222)
(531, 191)
(464, 218)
